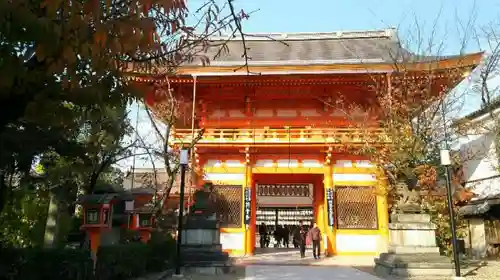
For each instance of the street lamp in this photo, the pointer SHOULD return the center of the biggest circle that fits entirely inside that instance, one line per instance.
(184, 159)
(446, 162)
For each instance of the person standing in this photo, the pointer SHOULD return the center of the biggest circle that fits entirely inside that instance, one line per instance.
(286, 237)
(296, 237)
(315, 237)
(302, 240)
(263, 235)
(277, 236)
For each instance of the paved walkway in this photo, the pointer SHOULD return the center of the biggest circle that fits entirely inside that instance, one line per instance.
(291, 257)
(287, 264)
(277, 272)
(276, 257)
(273, 272)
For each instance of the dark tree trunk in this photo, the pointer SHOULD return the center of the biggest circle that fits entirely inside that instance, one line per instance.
(3, 191)
(92, 183)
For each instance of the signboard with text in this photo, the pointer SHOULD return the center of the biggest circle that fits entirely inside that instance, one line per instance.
(247, 212)
(285, 190)
(329, 207)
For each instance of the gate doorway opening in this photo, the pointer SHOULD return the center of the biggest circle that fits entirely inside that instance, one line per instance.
(281, 225)
(282, 202)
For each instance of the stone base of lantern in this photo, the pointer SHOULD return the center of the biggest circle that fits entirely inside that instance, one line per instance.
(201, 251)
(413, 250)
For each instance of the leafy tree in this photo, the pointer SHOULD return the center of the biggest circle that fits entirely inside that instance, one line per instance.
(57, 54)
(64, 68)
(23, 222)
(101, 138)
(412, 108)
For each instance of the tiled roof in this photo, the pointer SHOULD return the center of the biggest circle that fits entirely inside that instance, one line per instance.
(144, 178)
(379, 46)
(96, 198)
(494, 104)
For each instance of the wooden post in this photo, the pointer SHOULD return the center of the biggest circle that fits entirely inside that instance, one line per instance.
(250, 230)
(329, 230)
(320, 211)
(95, 242)
(382, 210)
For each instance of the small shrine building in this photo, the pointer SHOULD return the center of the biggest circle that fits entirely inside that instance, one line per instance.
(276, 148)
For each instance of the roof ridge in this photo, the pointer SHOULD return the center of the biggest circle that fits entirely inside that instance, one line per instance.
(377, 33)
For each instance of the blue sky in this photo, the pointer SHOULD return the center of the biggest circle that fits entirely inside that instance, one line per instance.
(336, 15)
(451, 20)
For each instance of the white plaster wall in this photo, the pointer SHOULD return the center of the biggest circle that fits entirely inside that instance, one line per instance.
(213, 163)
(264, 163)
(357, 243)
(479, 156)
(286, 113)
(480, 163)
(345, 177)
(232, 241)
(311, 163)
(484, 188)
(287, 163)
(234, 163)
(355, 163)
(343, 163)
(224, 176)
(217, 114)
(236, 114)
(264, 113)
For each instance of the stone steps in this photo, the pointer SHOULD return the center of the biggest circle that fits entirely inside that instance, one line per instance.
(208, 267)
(205, 247)
(410, 265)
(406, 269)
(204, 259)
(414, 250)
(395, 258)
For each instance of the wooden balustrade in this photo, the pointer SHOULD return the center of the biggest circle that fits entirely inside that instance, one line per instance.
(283, 135)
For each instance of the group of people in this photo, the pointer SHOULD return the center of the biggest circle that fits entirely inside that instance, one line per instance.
(302, 236)
(281, 236)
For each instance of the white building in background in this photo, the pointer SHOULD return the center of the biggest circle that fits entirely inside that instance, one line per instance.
(478, 152)
(480, 164)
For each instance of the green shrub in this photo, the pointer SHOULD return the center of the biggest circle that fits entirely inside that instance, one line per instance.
(41, 264)
(438, 209)
(122, 261)
(11, 260)
(116, 262)
(161, 252)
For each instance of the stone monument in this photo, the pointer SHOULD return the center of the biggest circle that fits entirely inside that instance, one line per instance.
(412, 249)
(201, 251)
